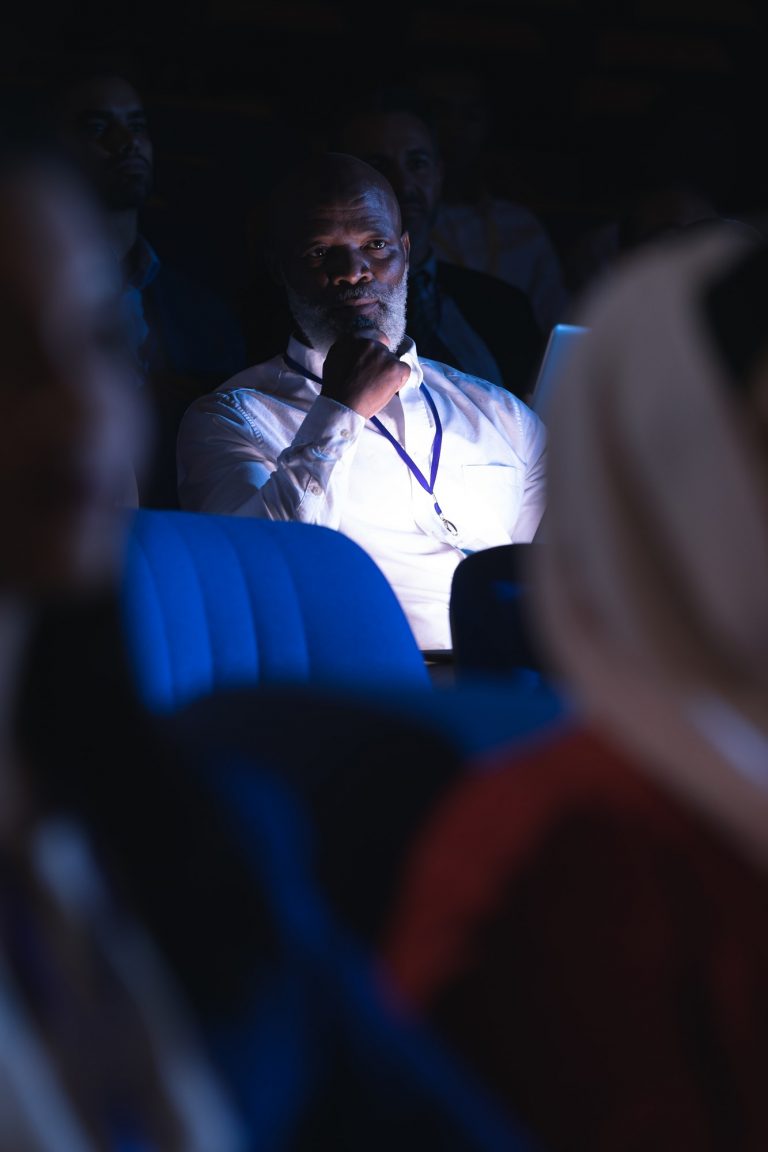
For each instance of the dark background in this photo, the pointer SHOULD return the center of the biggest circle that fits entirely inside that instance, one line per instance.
(580, 90)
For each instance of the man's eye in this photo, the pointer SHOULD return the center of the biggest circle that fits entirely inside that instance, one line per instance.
(93, 128)
(377, 245)
(139, 124)
(316, 253)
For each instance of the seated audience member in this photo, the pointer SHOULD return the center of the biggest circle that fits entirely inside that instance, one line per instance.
(186, 339)
(460, 316)
(169, 979)
(584, 920)
(476, 226)
(680, 171)
(665, 206)
(349, 427)
(659, 206)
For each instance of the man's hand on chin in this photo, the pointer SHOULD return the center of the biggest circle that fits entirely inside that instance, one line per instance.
(361, 373)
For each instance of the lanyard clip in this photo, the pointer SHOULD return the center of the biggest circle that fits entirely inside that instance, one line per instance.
(449, 526)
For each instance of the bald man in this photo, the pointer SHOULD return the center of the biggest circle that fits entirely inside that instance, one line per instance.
(349, 427)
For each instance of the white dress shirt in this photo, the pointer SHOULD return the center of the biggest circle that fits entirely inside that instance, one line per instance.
(266, 443)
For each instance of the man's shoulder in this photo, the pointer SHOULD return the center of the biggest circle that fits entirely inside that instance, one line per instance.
(239, 400)
(465, 390)
(452, 382)
(262, 377)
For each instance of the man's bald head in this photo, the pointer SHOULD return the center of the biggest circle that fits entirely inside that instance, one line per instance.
(329, 179)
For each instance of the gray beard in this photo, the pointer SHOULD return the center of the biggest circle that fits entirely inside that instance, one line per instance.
(321, 330)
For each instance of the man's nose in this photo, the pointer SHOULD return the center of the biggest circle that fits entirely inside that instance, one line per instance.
(349, 265)
(122, 138)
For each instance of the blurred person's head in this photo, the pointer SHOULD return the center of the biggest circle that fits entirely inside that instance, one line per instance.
(72, 423)
(102, 122)
(460, 103)
(336, 244)
(662, 208)
(649, 595)
(393, 134)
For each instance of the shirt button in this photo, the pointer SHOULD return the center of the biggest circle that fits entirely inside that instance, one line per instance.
(345, 434)
(315, 488)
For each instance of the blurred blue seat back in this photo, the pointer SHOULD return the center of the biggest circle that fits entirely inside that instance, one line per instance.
(491, 622)
(216, 602)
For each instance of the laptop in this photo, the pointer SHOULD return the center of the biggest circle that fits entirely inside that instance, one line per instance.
(562, 340)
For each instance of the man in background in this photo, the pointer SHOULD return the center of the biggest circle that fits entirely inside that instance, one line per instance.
(461, 316)
(184, 337)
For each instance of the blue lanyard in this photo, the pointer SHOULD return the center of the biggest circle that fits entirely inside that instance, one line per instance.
(437, 443)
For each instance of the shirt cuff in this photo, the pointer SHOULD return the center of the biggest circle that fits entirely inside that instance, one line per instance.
(329, 428)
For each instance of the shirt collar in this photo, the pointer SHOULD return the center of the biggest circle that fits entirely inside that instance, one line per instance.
(410, 356)
(313, 361)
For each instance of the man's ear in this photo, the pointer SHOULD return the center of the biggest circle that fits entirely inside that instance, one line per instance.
(406, 242)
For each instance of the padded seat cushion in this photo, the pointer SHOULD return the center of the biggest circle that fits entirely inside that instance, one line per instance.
(212, 601)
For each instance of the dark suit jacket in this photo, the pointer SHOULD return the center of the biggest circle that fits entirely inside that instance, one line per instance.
(502, 315)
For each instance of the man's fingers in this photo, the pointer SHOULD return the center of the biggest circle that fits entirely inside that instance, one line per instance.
(371, 334)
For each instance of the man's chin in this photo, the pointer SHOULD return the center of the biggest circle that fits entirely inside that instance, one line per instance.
(321, 335)
(362, 323)
(353, 325)
(127, 193)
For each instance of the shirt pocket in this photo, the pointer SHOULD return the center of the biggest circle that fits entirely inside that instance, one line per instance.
(493, 495)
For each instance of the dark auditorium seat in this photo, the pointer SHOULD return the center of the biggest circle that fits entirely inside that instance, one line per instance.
(489, 614)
